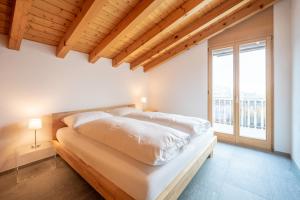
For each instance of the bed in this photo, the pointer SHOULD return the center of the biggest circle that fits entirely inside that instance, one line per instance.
(117, 176)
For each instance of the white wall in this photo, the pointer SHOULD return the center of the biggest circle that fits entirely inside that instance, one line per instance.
(180, 85)
(282, 77)
(34, 83)
(295, 35)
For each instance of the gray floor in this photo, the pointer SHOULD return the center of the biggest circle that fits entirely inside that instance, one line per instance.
(240, 173)
(233, 173)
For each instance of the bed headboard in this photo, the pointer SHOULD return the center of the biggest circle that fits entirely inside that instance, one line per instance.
(57, 117)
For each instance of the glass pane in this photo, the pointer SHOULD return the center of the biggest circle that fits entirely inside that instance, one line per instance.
(222, 97)
(253, 90)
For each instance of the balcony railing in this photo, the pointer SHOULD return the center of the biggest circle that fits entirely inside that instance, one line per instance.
(252, 112)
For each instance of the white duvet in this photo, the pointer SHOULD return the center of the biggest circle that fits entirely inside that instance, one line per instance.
(191, 125)
(146, 142)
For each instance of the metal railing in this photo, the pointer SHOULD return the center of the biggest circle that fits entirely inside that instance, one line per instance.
(252, 112)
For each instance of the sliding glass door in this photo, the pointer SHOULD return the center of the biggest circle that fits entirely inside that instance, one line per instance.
(240, 93)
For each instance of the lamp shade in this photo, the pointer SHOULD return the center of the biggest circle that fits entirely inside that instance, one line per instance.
(35, 123)
(144, 99)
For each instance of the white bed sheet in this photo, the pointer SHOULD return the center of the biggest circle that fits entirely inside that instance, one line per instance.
(139, 180)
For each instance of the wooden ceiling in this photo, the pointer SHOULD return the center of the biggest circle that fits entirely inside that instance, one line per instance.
(141, 32)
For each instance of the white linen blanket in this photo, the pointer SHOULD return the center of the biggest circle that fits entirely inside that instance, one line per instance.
(149, 143)
(191, 125)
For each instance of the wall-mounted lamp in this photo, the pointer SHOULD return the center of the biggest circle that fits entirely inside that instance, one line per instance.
(35, 124)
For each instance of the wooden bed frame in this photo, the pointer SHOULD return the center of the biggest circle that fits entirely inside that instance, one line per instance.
(108, 189)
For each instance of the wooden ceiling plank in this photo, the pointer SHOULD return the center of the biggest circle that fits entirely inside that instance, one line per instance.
(180, 12)
(5, 2)
(43, 35)
(45, 22)
(247, 11)
(190, 28)
(4, 17)
(45, 29)
(123, 4)
(134, 17)
(89, 10)
(3, 30)
(18, 23)
(39, 39)
(64, 5)
(49, 16)
(4, 24)
(77, 3)
(47, 7)
(5, 8)
(97, 28)
(91, 38)
(102, 22)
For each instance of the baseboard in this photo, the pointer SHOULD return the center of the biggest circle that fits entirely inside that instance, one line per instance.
(295, 169)
(282, 154)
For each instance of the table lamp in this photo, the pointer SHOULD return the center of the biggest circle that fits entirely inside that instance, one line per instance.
(144, 102)
(35, 124)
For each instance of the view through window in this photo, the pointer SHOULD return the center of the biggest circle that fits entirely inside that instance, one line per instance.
(223, 90)
(251, 85)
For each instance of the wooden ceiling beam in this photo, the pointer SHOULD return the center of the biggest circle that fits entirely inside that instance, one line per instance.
(18, 23)
(247, 11)
(134, 17)
(88, 11)
(187, 8)
(187, 30)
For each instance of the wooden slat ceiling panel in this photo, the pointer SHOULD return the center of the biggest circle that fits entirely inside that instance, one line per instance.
(111, 14)
(110, 19)
(101, 25)
(157, 15)
(208, 8)
(207, 5)
(37, 38)
(48, 21)
(5, 13)
(53, 9)
(66, 6)
(39, 13)
(77, 3)
(187, 22)
(240, 14)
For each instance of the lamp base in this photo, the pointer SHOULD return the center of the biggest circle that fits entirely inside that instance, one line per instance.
(35, 146)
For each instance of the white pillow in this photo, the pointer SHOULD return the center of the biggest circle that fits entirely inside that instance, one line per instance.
(123, 111)
(78, 119)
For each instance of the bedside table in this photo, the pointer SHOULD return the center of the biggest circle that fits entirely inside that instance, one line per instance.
(26, 156)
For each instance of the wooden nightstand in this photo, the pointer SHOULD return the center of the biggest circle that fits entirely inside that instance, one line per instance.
(27, 156)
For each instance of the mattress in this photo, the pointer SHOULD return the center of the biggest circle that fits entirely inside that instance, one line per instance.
(141, 181)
